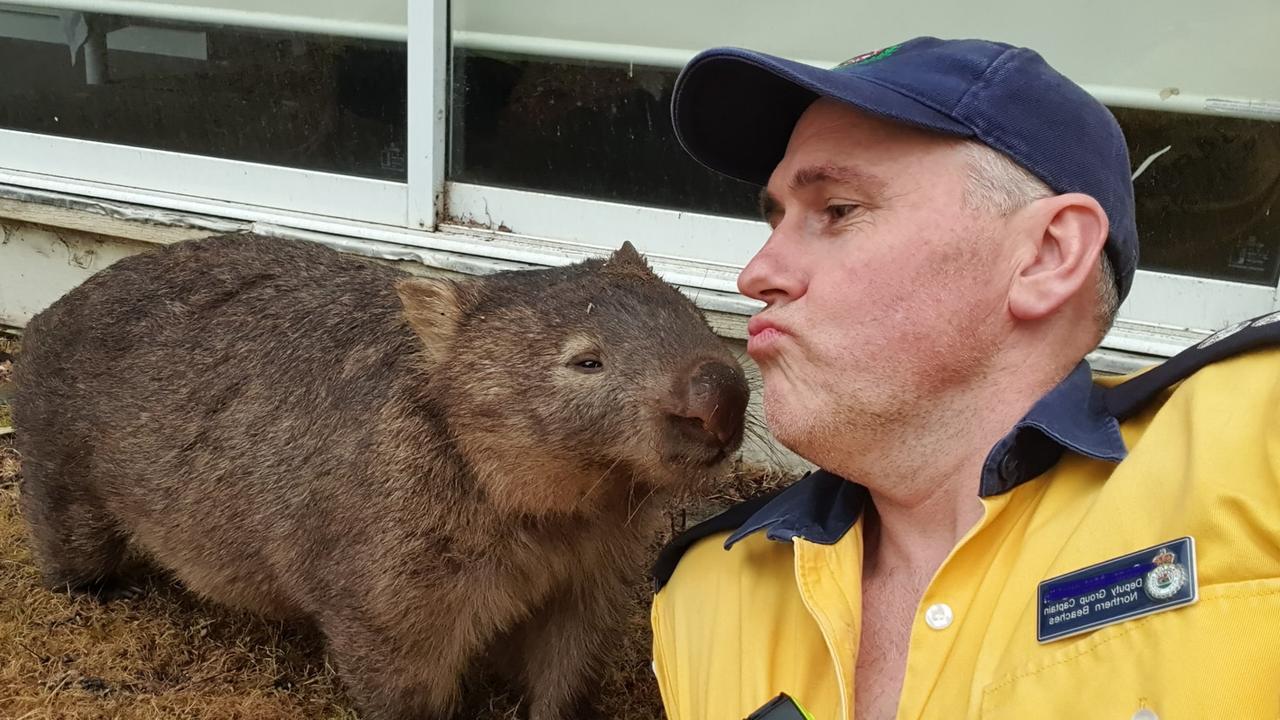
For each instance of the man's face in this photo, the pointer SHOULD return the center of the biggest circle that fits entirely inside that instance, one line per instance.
(885, 295)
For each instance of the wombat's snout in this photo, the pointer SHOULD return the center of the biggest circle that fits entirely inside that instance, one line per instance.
(715, 405)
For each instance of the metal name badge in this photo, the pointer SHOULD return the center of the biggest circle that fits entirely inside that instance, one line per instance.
(1161, 577)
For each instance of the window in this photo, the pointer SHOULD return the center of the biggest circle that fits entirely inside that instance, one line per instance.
(540, 132)
(242, 102)
(572, 99)
(310, 101)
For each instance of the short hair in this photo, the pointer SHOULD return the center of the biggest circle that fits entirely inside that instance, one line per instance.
(999, 185)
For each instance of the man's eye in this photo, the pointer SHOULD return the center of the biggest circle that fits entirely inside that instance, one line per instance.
(842, 211)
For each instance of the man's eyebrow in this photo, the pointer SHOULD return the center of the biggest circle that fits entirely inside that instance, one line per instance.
(839, 174)
(814, 174)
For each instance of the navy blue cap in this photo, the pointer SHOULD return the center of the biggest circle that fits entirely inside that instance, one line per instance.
(734, 110)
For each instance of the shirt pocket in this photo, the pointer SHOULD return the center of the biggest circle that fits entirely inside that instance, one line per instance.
(1219, 657)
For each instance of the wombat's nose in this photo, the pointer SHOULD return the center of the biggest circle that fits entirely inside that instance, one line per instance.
(718, 400)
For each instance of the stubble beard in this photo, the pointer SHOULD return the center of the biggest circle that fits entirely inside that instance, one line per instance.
(864, 420)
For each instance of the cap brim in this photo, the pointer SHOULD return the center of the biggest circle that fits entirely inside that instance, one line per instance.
(733, 109)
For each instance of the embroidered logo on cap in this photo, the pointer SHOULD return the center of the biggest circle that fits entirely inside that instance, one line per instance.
(869, 57)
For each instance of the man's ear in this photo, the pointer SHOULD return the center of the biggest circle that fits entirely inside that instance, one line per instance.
(433, 307)
(1066, 233)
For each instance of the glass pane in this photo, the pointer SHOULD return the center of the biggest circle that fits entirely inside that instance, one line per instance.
(578, 127)
(310, 101)
(537, 105)
(1205, 205)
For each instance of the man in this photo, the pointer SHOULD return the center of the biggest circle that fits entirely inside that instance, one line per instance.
(993, 533)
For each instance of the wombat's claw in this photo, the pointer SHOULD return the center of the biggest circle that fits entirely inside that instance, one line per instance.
(107, 591)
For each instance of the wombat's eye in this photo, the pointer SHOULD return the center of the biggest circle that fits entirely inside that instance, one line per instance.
(587, 364)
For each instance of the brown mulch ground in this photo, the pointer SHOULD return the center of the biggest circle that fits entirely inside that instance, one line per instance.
(170, 655)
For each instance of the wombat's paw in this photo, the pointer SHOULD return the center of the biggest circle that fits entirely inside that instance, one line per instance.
(112, 590)
(583, 707)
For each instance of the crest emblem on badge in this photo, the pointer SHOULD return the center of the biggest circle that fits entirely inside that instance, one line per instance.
(1166, 578)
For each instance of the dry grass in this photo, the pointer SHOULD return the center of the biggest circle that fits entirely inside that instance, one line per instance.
(164, 655)
(170, 655)
(8, 347)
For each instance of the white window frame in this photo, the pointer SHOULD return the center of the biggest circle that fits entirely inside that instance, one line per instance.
(1162, 311)
(697, 251)
(147, 172)
(158, 175)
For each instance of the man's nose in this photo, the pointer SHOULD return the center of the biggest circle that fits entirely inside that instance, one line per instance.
(772, 273)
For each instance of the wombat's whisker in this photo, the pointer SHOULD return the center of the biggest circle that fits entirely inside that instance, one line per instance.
(633, 513)
(757, 434)
(596, 484)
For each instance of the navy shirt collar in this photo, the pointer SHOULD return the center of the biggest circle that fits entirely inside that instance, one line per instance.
(1072, 416)
(822, 506)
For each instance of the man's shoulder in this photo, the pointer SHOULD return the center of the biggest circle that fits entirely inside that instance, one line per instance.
(726, 521)
(1257, 338)
(819, 507)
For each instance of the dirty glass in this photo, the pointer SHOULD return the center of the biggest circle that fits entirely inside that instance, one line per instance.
(1205, 205)
(580, 128)
(315, 102)
(532, 119)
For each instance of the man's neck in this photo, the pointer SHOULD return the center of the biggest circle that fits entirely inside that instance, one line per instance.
(915, 539)
(924, 484)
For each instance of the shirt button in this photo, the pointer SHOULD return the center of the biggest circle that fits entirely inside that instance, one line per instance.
(1145, 714)
(939, 616)
(1009, 468)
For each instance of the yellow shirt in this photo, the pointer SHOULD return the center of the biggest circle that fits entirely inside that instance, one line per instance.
(1069, 489)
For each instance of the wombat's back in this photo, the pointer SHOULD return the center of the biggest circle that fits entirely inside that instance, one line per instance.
(179, 328)
(247, 369)
(157, 299)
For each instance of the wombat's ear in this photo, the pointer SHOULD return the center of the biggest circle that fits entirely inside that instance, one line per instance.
(627, 259)
(433, 307)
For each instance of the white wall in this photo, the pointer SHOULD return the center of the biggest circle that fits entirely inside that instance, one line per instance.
(1226, 49)
(1185, 54)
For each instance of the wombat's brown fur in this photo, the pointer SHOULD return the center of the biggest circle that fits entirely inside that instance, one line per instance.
(433, 471)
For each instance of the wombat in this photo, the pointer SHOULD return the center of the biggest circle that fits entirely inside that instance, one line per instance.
(434, 471)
